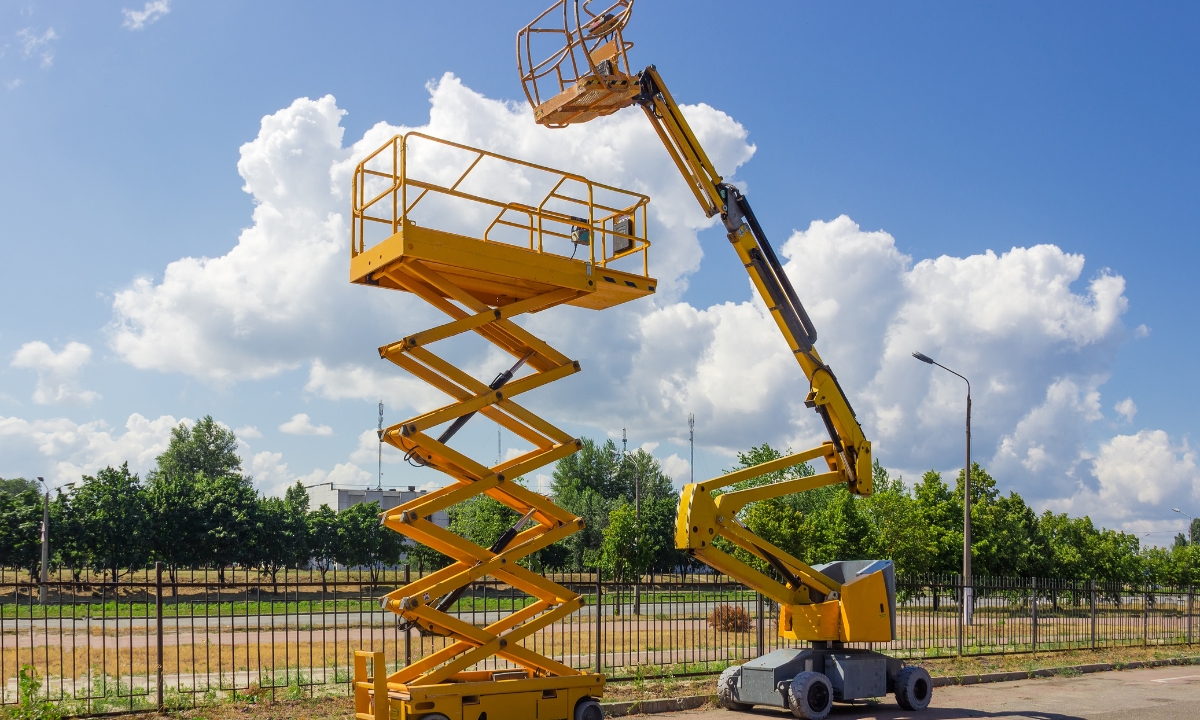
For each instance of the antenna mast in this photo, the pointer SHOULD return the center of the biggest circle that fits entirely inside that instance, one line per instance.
(380, 477)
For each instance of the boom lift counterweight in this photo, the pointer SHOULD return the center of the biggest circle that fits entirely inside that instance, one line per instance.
(586, 74)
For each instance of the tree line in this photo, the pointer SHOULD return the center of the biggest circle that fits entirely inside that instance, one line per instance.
(197, 509)
(920, 527)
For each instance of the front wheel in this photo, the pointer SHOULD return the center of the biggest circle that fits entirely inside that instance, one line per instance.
(588, 709)
(914, 688)
(810, 696)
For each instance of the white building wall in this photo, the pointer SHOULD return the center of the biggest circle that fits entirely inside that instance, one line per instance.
(341, 498)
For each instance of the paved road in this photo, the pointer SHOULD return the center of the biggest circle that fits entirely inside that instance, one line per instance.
(1169, 693)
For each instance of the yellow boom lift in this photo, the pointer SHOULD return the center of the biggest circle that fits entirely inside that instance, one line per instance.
(574, 67)
(429, 220)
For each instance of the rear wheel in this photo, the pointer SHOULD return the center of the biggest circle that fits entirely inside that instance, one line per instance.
(588, 709)
(727, 689)
(914, 688)
(810, 696)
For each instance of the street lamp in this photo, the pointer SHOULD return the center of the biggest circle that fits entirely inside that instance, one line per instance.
(1191, 536)
(968, 590)
(45, 542)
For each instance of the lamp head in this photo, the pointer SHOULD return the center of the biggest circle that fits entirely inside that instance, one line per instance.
(923, 358)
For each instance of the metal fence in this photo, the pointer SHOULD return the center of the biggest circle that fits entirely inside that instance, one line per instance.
(98, 646)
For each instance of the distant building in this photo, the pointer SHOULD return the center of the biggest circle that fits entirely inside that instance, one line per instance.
(343, 497)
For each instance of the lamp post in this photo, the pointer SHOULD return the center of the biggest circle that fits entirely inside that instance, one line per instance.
(1192, 521)
(45, 542)
(968, 590)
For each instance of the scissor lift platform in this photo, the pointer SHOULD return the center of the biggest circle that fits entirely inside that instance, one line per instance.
(565, 232)
(486, 238)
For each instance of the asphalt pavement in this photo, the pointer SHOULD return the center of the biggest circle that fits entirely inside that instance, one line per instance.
(1166, 693)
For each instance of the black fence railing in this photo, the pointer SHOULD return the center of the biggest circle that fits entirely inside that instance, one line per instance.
(97, 646)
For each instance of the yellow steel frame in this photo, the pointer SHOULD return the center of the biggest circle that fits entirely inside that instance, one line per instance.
(814, 606)
(483, 284)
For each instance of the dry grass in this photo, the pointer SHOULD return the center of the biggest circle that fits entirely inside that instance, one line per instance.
(1040, 661)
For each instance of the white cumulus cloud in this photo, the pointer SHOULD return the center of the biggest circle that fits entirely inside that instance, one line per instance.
(62, 450)
(57, 372)
(1134, 477)
(247, 432)
(301, 424)
(148, 15)
(1126, 409)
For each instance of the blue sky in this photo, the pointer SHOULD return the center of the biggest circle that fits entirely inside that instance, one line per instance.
(952, 128)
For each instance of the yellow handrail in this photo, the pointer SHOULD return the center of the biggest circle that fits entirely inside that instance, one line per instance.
(380, 180)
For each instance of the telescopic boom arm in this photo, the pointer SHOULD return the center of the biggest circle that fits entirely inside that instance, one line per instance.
(767, 274)
(591, 77)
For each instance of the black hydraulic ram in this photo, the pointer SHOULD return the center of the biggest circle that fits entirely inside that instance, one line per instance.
(457, 425)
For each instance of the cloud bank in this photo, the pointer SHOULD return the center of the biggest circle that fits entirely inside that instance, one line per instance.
(1031, 326)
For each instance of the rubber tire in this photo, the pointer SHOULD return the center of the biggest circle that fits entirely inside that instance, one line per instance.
(433, 716)
(808, 690)
(914, 688)
(727, 684)
(588, 709)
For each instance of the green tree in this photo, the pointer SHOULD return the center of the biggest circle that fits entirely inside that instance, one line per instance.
(116, 524)
(206, 447)
(179, 488)
(180, 521)
(363, 542)
(282, 535)
(942, 512)
(68, 544)
(16, 486)
(592, 483)
(230, 522)
(619, 551)
(898, 531)
(20, 527)
(323, 539)
(584, 483)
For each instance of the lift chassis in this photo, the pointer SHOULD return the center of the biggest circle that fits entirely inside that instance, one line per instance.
(587, 75)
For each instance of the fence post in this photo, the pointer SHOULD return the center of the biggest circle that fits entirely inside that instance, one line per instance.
(599, 620)
(1191, 608)
(961, 606)
(1093, 603)
(1033, 599)
(761, 621)
(1145, 613)
(158, 631)
(408, 630)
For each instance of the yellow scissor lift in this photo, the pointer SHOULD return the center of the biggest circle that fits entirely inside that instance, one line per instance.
(485, 238)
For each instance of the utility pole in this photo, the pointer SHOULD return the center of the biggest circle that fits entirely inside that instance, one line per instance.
(45, 542)
(381, 444)
(692, 446)
(968, 598)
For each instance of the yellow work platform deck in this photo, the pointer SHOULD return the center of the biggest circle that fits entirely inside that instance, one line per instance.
(492, 272)
(501, 229)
